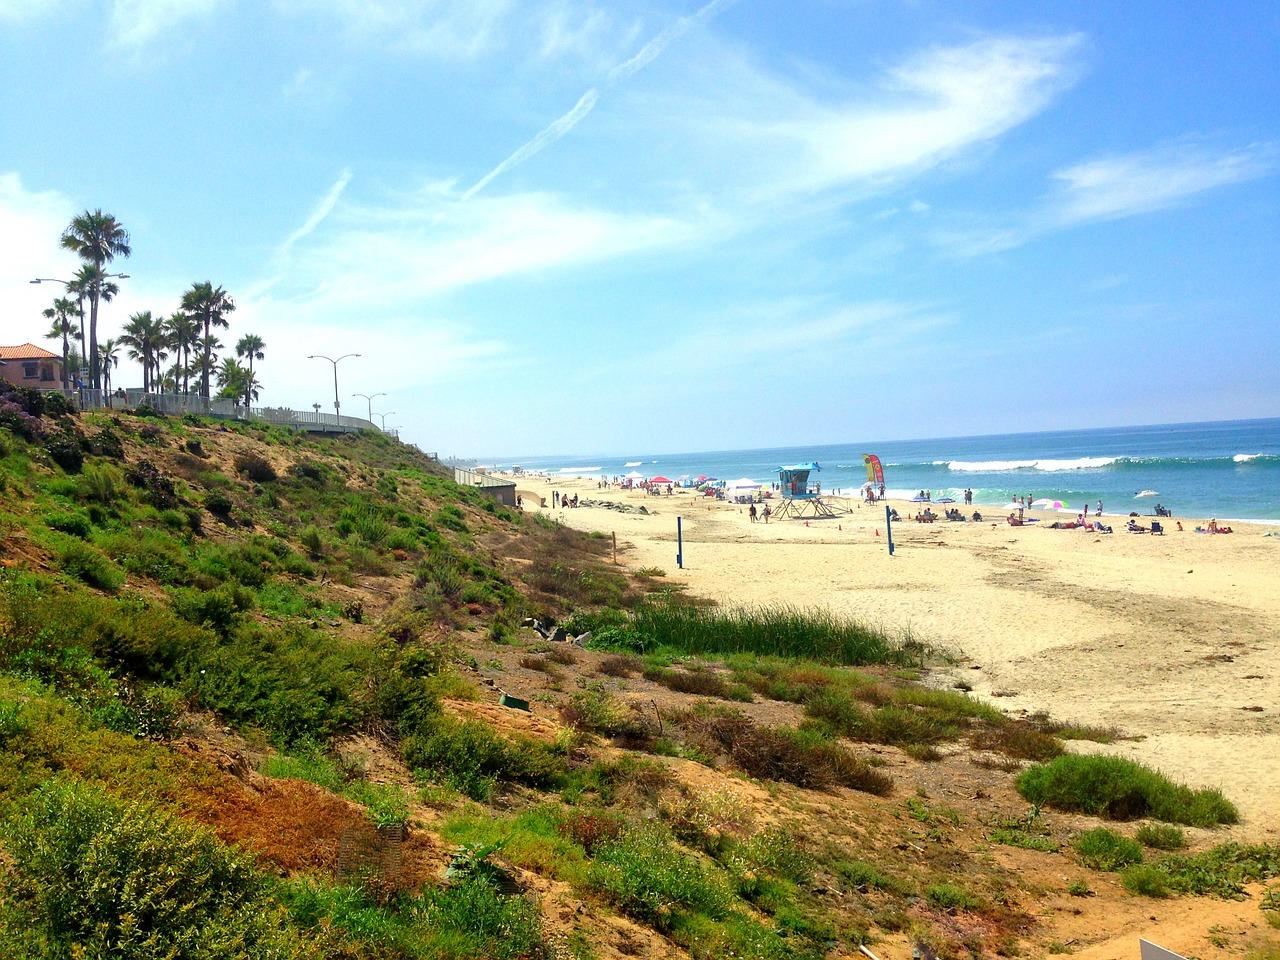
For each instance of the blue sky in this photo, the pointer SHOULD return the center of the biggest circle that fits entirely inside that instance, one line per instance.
(584, 227)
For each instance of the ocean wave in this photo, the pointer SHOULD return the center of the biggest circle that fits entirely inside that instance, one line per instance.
(1146, 493)
(1039, 465)
(633, 463)
(1254, 457)
(575, 471)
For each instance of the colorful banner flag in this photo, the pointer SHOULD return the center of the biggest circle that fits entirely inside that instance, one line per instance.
(875, 473)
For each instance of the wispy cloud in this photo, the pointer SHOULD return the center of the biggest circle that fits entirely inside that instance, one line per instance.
(135, 23)
(1118, 186)
(319, 212)
(545, 137)
(563, 124)
(1121, 186)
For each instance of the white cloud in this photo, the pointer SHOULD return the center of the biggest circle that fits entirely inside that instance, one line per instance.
(440, 28)
(1121, 186)
(545, 137)
(135, 23)
(30, 224)
(321, 210)
(923, 112)
(1118, 186)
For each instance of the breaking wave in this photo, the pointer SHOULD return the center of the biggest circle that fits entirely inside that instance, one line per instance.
(1042, 466)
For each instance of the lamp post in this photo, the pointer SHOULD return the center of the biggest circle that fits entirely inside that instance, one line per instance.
(383, 416)
(337, 405)
(369, 397)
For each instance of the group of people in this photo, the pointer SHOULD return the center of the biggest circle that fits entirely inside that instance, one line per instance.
(765, 513)
(559, 500)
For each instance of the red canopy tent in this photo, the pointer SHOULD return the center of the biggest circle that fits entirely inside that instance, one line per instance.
(659, 480)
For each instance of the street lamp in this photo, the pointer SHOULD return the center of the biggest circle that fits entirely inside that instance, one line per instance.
(67, 283)
(369, 397)
(383, 416)
(337, 406)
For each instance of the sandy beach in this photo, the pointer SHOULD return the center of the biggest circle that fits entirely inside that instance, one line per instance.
(1172, 639)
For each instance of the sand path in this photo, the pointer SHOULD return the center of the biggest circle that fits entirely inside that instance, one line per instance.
(1174, 639)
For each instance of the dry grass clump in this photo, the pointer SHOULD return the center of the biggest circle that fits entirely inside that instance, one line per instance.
(1016, 739)
(802, 757)
(620, 665)
(562, 655)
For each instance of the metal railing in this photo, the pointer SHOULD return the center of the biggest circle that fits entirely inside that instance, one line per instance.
(176, 404)
(475, 478)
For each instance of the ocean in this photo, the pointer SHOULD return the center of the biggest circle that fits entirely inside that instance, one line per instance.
(1228, 469)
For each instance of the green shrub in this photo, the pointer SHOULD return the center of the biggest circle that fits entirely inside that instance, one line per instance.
(471, 757)
(778, 631)
(216, 609)
(1223, 871)
(97, 877)
(65, 449)
(153, 554)
(103, 485)
(1120, 789)
(950, 897)
(90, 565)
(75, 523)
(1144, 879)
(1159, 836)
(219, 504)
(1104, 849)
(648, 877)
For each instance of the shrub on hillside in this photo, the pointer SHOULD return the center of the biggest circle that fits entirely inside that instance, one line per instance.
(65, 449)
(473, 758)
(74, 522)
(159, 489)
(1104, 849)
(103, 485)
(93, 876)
(648, 877)
(256, 467)
(90, 565)
(219, 504)
(1161, 836)
(1120, 789)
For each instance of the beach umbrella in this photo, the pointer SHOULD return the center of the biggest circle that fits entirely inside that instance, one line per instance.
(1047, 503)
(744, 483)
(659, 479)
(633, 475)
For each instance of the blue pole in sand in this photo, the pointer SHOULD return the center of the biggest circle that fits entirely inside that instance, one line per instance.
(679, 544)
(888, 528)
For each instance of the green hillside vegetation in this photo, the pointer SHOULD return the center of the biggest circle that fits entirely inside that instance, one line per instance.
(201, 622)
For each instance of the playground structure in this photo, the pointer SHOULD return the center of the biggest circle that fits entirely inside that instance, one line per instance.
(800, 498)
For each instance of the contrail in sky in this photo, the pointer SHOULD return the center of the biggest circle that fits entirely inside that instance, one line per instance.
(322, 210)
(623, 71)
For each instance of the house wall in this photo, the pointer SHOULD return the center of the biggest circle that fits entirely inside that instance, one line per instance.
(47, 373)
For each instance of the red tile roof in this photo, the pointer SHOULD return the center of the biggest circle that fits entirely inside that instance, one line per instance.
(27, 351)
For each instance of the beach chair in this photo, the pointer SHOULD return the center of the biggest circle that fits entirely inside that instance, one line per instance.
(1157, 527)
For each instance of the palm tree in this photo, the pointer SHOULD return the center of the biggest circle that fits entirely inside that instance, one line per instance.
(97, 238)
(60, 314)
(250, 346)
(210, 305)
(181, 331)
(237, 382)
(144, 337)
(109, 354)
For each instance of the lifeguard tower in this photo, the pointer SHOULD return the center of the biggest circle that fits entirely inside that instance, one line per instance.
(801, 498)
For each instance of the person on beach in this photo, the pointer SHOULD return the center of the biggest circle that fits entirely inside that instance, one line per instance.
(1098, 512)
(555, 499)
(767, 512)
(752, 513)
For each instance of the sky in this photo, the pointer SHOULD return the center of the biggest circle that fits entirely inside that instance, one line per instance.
(571, 227)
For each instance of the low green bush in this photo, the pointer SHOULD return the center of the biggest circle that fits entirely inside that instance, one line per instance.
(1121, 789)
(92, 876)
(90, 565)
(648, 877)
(473, 758)
(74, 522)
(1104, 849)
(1145, 880)
(1160, 836)
(951, 897)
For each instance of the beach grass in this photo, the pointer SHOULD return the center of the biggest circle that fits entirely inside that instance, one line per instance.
(783, 631)
(1120, 789)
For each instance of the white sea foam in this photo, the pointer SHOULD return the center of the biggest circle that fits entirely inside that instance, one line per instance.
(1043, 466)
(633, 463)
(1146, 493)
(1245, 457)
(577, 471)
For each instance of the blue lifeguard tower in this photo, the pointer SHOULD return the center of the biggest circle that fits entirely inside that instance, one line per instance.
(800, 496)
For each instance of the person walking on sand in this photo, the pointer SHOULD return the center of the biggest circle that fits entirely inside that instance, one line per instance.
(1098, 512)
(767, 512)
(752, 513)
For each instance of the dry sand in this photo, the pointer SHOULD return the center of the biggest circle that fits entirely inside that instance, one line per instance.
(1174, 639)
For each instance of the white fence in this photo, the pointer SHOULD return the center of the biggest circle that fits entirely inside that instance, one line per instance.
(176, 404)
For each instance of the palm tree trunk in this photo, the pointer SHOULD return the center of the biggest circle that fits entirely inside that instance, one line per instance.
(84, 352)
(248, 386)
(66, 350)
(94, 373)
(204, 368)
